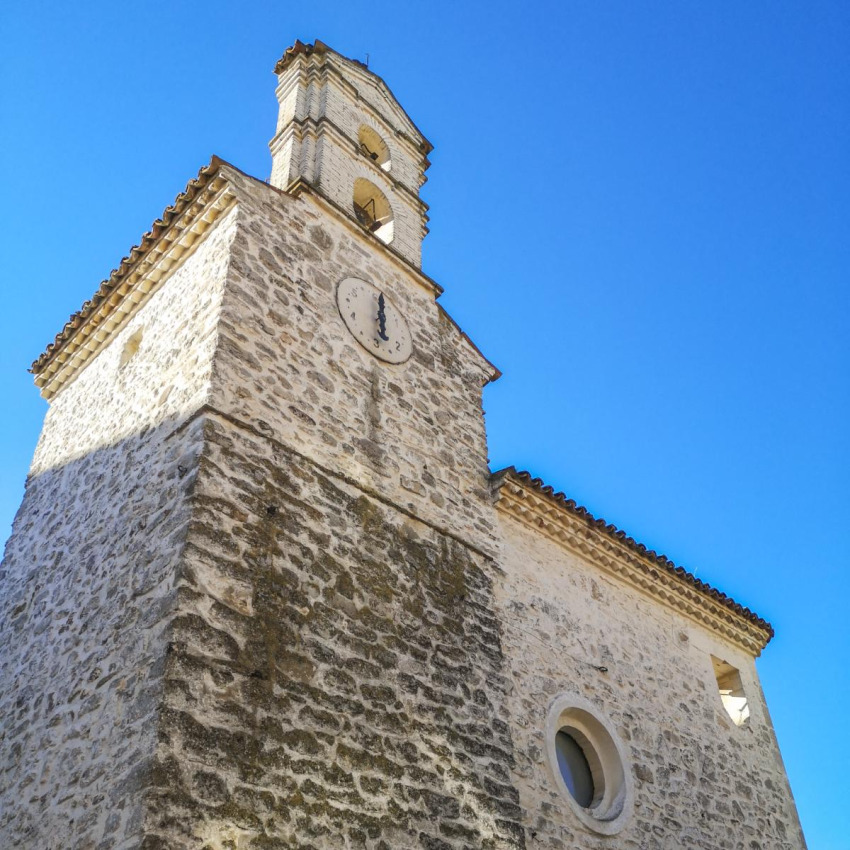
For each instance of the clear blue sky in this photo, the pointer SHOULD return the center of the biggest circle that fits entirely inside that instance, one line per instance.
(639, 213)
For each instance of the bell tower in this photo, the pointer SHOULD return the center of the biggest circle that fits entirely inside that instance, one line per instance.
(248, 598)
(263, 591)
(341, 131)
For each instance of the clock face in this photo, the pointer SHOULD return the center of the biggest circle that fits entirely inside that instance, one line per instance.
(374, 320)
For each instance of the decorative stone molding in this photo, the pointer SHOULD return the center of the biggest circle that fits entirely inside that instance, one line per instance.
(311, 128)
(538, 507)
(324, 99)
(311, 72)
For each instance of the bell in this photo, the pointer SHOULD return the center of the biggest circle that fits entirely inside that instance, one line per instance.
(363, 216)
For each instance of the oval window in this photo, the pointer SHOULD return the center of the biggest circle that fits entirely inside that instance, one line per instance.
(588, 764)
(574, 768)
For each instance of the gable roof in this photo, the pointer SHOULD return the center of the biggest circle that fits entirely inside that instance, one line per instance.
(319, 48)
(537, 504)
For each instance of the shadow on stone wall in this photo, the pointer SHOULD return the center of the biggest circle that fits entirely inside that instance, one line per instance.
(211, 642)
(335, 677)
(87, 587)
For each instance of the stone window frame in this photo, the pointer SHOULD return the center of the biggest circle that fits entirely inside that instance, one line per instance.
(610, 766)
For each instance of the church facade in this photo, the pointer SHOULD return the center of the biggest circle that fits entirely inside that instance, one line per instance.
(264, 592)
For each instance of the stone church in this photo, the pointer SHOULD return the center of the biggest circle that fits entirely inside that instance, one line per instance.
(264, 592)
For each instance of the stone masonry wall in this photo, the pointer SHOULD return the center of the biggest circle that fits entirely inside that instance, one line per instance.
(335, 161)
(169, 375)
(87, 593)
(257, 595)
(340, 166)
(95, 556)
(700, 781)
(384, 116)
(335, 673)
(87, 582)
(287, 365)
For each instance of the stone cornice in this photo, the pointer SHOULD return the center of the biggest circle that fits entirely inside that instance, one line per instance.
(539, 508)
(326, 74)
(169, 242)
(171, 239)
(301, 127)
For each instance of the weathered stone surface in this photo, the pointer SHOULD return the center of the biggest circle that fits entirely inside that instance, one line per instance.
(336, 99)
(287, 364)
(700, 781)
(355, 697)
(87, 585)
(258, 594)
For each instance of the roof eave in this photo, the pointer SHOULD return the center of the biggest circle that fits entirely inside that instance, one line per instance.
(751, 631)
(107, 300)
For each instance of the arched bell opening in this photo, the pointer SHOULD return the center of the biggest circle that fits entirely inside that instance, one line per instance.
(373, 210)
(374, 147)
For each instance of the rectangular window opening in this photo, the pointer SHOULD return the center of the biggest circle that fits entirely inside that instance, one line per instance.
(731, 691)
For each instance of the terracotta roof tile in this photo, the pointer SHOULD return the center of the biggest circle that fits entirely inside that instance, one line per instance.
(300, 49)
(651, 555)
(108, 286)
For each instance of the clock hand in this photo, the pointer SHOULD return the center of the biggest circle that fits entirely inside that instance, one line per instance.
(382, 319)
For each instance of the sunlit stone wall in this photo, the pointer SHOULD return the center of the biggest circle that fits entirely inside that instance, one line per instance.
(258, 595)
(88, 580)
(698, 779)
(335, 674)
(287, 366)
(249, 591)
